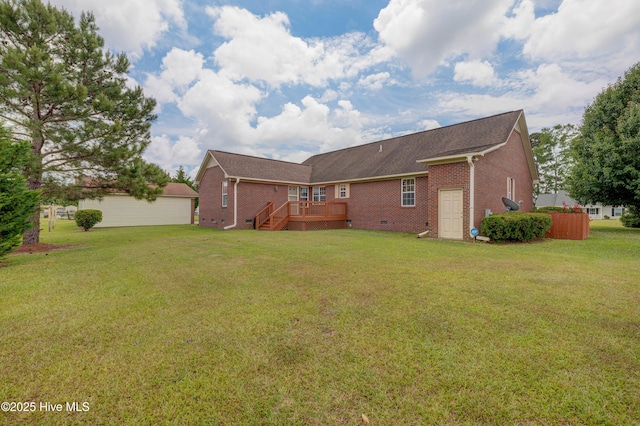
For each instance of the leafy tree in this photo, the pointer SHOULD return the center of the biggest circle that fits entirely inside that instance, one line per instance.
(551, 148)
(68, 98)
(17, 202)
(607, 164)
(631, 217)
(181, 177)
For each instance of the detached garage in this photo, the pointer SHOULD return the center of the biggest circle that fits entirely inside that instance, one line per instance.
(174, 207)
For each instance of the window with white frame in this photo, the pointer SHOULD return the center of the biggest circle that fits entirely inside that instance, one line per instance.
(511, 188)
(408, 192)
(343, 190)
(304, 193)
(319, 193)
(225, 197)
(593, 211)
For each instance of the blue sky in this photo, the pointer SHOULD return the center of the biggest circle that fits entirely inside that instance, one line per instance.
(289, 79)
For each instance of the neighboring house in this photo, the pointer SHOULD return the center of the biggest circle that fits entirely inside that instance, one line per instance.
(443, 180)
(174, 207)
(562, 198)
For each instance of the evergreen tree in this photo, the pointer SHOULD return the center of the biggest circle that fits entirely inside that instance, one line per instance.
(17, 202)
(67, 97)
(607, 164)
(551, 149)
(181, 177)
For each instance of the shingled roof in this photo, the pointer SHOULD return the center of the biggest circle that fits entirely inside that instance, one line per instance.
(248, 167)
(174, 189)
(402, 155)
(399, 155)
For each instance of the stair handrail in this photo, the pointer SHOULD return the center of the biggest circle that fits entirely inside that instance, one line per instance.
(264, 214)
(278, 219)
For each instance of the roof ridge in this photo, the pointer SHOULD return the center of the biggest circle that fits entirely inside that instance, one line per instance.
(259, 158)
(414, 133)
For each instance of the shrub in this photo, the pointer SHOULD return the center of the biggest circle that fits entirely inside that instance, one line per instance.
(87, 219)
(606, 217)
(630, 218)
(516, 226)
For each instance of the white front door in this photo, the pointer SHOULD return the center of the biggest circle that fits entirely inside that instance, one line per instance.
(450, 213)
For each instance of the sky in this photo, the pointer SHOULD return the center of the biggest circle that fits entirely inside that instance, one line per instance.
(290, 79)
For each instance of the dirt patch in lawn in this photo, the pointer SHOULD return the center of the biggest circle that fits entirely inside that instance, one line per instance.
(40, 248)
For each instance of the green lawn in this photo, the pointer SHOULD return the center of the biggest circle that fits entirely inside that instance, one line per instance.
(182, 325)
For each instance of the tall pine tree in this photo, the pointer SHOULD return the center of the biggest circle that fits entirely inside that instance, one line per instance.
(68, 98)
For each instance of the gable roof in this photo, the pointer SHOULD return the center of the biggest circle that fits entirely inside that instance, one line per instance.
(400, 156)
(255, 168)
(559, 199)
(174, 189)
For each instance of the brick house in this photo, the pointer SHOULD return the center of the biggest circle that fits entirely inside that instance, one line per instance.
(443, 180)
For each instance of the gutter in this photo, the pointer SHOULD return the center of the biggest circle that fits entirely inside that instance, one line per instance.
(472, 190)
(235, 205)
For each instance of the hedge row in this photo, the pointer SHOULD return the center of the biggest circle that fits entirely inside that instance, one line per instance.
(515, 226)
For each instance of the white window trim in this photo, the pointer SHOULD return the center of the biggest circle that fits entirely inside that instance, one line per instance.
(339, 190)
(319, 194)
(225, 195)
(402, 192)
(511, 188)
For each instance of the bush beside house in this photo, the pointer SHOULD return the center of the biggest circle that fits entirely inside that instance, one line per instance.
(521, 227)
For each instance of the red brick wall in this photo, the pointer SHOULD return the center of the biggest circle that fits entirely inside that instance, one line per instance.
(492, 172)
(447, 176)
(253, 198)
(210, 207)
(372, 203)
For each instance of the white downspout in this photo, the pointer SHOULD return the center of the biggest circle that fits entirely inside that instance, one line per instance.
(235, 205)
(472, 189)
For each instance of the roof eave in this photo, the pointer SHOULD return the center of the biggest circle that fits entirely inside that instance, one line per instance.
(458, 158)
(372, 178)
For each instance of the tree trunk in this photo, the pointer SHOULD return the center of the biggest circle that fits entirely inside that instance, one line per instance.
(32, 235)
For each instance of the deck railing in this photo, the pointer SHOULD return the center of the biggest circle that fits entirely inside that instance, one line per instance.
(316, 208)
(300, 211)
(263, 215)
(279, 217)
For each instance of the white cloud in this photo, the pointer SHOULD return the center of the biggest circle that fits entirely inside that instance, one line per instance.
(222, 106)
(131, 26)
(180, 68)
(263, 49)
(185, 151)
(475, 72)
(548, 94)
(583, 29)
(374, 81)
(426, 33)
(313, 128)
(520, 25)
(429, 124)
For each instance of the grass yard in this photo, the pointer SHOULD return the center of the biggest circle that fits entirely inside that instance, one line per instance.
(182, 325)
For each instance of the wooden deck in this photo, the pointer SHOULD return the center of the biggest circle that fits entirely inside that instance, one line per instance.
(302, 216)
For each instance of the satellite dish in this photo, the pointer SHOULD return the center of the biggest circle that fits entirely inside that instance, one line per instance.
(510, 204)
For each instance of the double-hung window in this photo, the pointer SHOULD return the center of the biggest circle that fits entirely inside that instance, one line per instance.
(319, 193)
(225, 197)
(408, 192)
